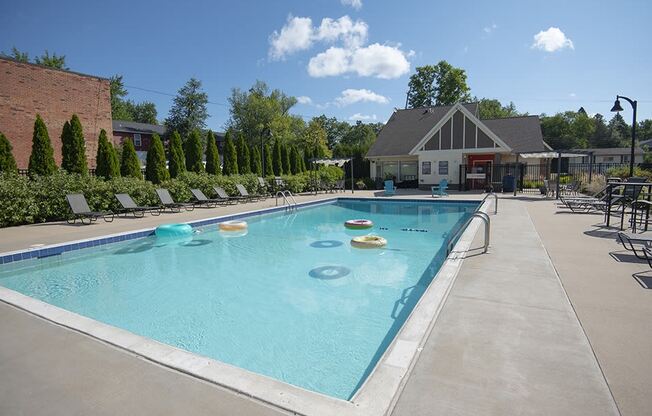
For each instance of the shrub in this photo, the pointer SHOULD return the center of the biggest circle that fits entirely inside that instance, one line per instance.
(623, 172)
(212, 155)
(155, 169)
(73, 148)
(41, 160)
(295, 161)
(277, 159)
(330, 174)
(130, 164)
(256, 162)
(176, 157)
(17, 203)
(269, 165)
(285, 155)
(243, 156)
(194, 152)
(106, 161)
(230, 156)
(7, 161)
(178, 189)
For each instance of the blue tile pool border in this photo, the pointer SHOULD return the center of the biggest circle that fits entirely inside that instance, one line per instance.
(57, 249)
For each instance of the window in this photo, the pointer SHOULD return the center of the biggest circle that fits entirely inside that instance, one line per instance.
(608, 158)
(390, 170)
(443, 167)
(409, 171)
(426, 168)
(137, 140)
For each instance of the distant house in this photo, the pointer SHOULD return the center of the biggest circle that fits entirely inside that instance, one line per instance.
(611, 155)
(424, 145)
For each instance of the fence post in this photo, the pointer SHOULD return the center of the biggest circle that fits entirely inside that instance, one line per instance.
(459, 178)
(590, 166)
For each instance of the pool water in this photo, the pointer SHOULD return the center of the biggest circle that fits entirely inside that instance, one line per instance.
(291, 299)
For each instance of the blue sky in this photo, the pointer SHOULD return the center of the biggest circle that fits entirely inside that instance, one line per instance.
(356, 63)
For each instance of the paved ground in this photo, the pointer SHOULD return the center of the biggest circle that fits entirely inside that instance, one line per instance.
(507, 341)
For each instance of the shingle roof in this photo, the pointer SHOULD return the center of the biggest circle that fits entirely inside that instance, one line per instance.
(405, 128)
(609, 151)
(522, 134)
(134, 127)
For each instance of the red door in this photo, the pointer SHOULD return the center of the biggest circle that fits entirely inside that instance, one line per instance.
(480, 167)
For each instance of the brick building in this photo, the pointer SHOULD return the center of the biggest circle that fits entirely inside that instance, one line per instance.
(28, 89)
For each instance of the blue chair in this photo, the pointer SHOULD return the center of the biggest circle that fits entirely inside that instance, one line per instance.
(390, 189)
(440, 190)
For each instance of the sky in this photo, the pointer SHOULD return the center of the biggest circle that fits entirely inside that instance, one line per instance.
(350, 59)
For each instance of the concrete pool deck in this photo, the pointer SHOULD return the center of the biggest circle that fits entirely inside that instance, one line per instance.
(506, 341)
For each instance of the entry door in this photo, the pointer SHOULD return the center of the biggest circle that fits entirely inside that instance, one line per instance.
(481, 164)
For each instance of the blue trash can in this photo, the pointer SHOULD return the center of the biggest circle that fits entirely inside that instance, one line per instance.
(509, 183)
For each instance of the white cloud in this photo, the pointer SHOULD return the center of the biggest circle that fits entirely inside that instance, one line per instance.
(489, 29)
(353, 34)
(352, 96)
(356, 4)
(552, 40)
(334, 61)
(302, 99)
(363, 117)
(572, 95)
(295, 36)
(380, 61)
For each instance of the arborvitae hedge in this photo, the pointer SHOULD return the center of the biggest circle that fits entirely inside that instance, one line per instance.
(176, 156)
(230, 156)
(41, 161)
(130, 165)
(269, 165)
(155, 170)
(73, 150)
(295, 160)
(194, 152)
(243, 156)
(106, 161)
(212, 155)
(7, 161)
(278, 159)
(285, 153)
(256, 162)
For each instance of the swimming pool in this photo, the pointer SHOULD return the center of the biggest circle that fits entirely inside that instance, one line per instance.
(291, 299)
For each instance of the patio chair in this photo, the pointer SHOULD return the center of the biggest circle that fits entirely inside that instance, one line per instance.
(339, 185)
(167, 201)
(245, 194)
(264, 188)
(439, 190)
(204, 201)
(390, 189)
(221, 193)
(81, 211)
(630, 240)
(279, 184)
(130, 207)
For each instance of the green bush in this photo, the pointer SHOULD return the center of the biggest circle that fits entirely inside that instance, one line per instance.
(243, 156)
(230, 165)
(277, 159)
(106, 161)
(130, 164)
(623, 173)
(155, 169)
(194, 152)
(269, 165)
(41, 160)
(73, 147)
(176, 157)
(17, 203)
(212, 155)
(7, 161)
(256, 162)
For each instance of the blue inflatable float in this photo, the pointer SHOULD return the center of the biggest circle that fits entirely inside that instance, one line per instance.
(173, 230)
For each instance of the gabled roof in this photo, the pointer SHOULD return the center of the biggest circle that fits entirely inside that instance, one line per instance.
(405, 128)
(522, 134)
(134, 127)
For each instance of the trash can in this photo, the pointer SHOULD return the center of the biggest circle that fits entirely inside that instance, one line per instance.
(509, 183)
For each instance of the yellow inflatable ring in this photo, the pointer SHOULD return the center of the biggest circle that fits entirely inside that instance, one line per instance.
(233, 225)
(368, 241)
(359, 224)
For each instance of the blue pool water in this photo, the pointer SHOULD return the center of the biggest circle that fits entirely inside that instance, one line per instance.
(291, 299)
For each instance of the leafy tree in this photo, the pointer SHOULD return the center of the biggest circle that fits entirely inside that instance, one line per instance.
(176, 157)
(644, 130)
(285, 155)
(488, 109)
(155, 169)
(314, 138)
(130, 164)
(123, 109)
(7, 161)
(73, 148)
(336, 130)
(144, 112)
(52, 61)
(568, 130)
(243, 156)
(441, 84)
(194, 151)
(269, 164)
(230, 166)
(307, 155)
(256, 162)
(106, 161)
(601, 136)
(41, 160)
(277, 158)
(188, 110)
(212, 155)
(619, 130)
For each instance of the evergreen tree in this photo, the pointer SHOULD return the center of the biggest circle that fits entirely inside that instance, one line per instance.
(212, 155)
(230, 156)
(106, 161)
(243, 156)
(130, 164)
(277, 158)
(303, 164)
(176, 157)
(269, 164)
(295, 160)
(285, 154)
(7, 161)
(307, 155)
(194, 152)
(188, 110)
(256, 162)
(41, 161)
(73, 148)
(155, 170)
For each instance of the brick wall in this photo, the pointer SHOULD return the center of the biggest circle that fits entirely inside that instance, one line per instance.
(145, 139)
(27, 89)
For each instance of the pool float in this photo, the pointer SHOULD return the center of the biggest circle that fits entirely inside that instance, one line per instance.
(360, 224)
(233, 226)
(173, 230)
(368, 241)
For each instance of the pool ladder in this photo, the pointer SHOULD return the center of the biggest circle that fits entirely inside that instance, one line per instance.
(487, 230)
(288, 200)
(495, 202)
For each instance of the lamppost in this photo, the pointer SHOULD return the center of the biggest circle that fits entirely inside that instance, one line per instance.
(618, 108)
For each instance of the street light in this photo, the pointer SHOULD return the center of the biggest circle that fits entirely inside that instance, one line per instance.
(617, 108)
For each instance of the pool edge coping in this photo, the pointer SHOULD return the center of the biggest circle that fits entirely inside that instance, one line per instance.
(377, 395)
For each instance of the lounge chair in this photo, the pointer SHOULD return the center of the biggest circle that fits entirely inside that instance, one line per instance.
(390, 189)
(130, 207)
(245, 194)
(439, 190)
(221, 193)
(82, 212)
(631, 240)
(264, 188)
(204, 201)
(168, 202)
(339, 185)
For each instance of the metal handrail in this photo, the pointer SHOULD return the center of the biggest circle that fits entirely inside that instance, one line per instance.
(285, 194)
(495, 204)
(487, 231)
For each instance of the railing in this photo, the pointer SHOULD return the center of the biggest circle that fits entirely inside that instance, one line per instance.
(487, 230)
(288, 199)
(495, 203)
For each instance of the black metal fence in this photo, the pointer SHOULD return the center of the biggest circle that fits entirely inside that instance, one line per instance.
(91, 172)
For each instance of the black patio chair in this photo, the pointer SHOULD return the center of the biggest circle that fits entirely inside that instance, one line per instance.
(81, 211)
(130, 207)
(168, 203)
(221, 193)
(204, 201)
(246, 195)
